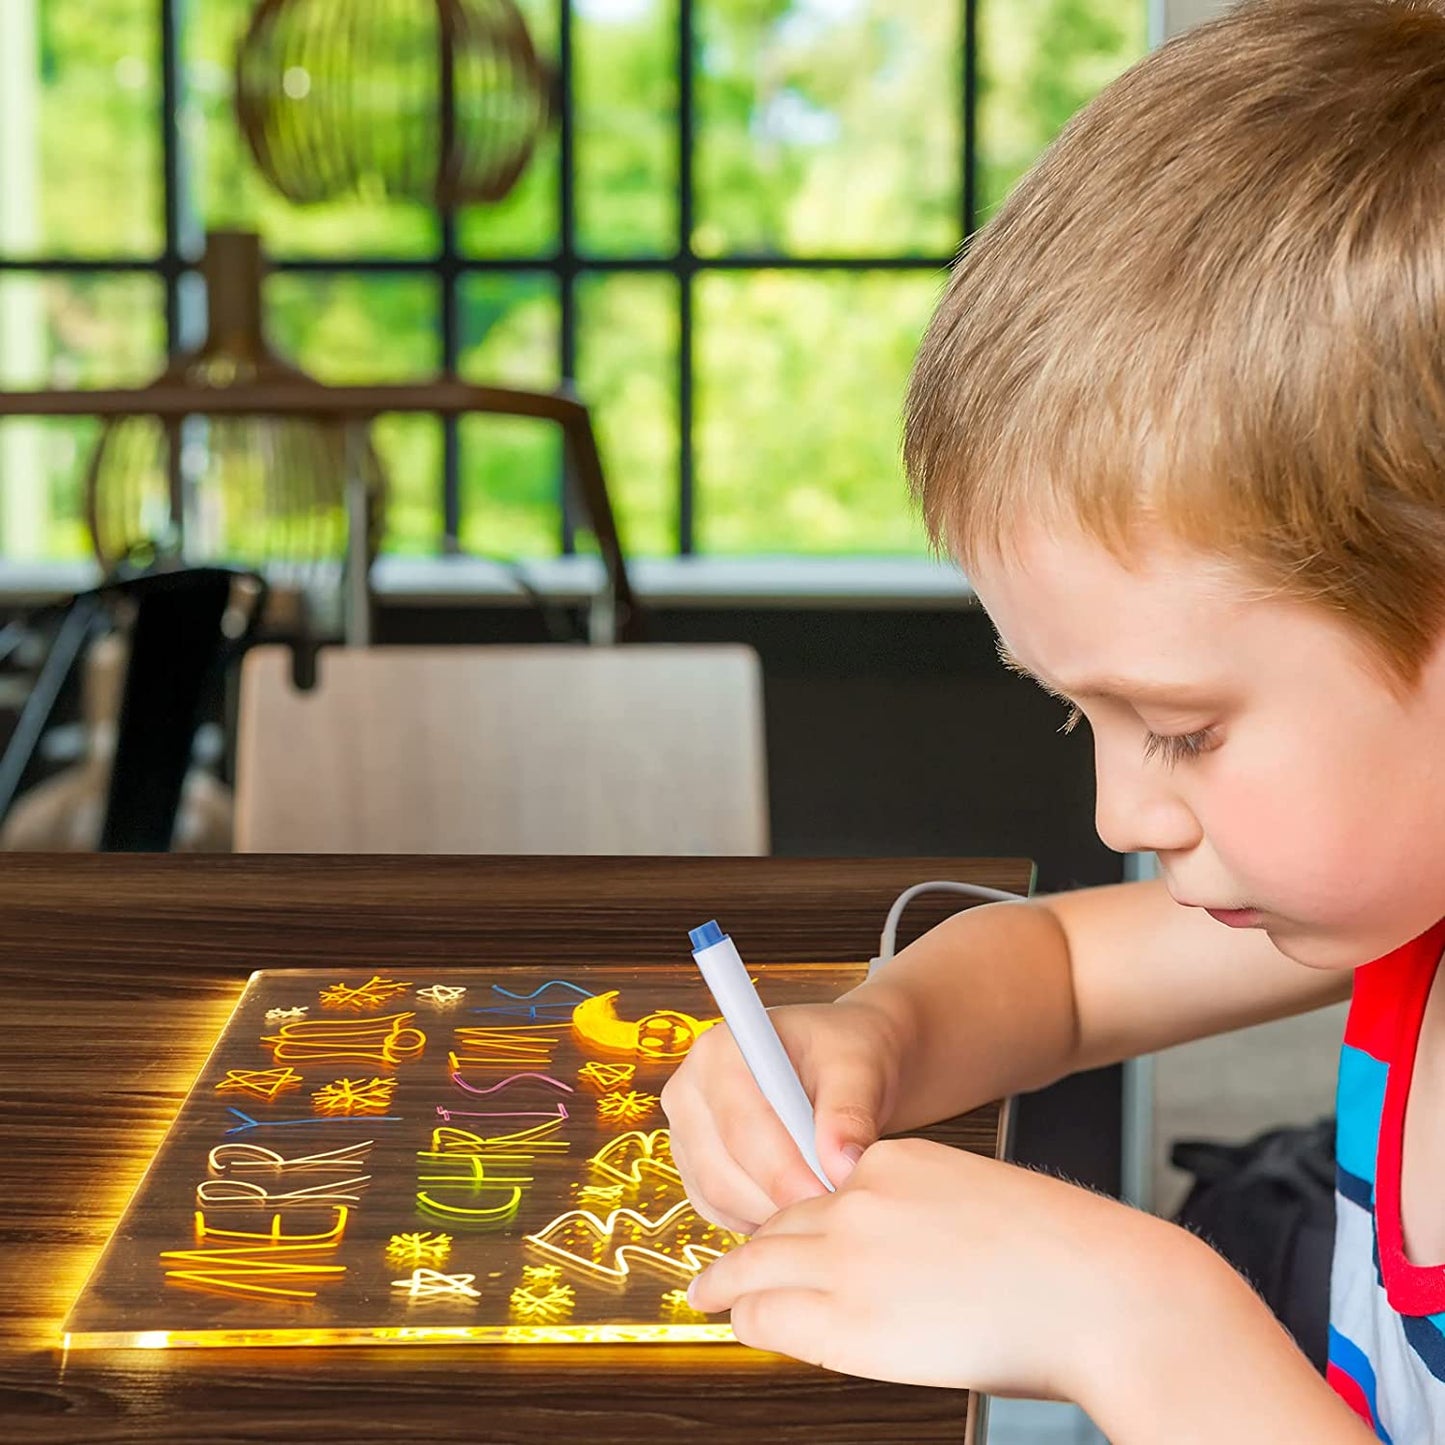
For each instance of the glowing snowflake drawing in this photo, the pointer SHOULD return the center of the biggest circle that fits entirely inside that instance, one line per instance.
(429, 1284)
(260, 1083)
(424, 1248)
(542, 1298)
(441, 994)
(371, 994)
(354, 1096)
(629, 1108)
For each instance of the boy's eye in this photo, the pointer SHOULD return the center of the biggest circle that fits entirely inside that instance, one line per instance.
(1177, 748)
(1171, 747)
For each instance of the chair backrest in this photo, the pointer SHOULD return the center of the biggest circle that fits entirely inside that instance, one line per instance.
(653, 749)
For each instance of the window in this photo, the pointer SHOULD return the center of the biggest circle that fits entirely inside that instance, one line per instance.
(732, 241)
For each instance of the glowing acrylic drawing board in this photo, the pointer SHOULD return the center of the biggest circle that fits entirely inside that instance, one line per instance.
(427, 1155)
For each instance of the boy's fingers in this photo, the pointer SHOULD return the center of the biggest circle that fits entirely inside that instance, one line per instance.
(720, 1188)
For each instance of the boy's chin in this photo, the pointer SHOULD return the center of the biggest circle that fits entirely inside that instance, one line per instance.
(1318, 949)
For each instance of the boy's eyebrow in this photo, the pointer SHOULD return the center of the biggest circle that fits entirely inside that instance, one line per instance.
(1118, 688)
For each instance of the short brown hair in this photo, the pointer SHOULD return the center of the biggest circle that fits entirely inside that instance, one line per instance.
(1217, 304)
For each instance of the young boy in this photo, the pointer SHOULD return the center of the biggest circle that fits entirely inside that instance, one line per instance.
(1181, 418)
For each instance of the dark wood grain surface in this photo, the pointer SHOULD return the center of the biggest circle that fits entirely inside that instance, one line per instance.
(116, 974)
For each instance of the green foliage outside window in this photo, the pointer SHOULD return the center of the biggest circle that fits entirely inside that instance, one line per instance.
(824, 129)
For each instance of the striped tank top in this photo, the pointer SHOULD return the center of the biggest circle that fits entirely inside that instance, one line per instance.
(1387, 1315)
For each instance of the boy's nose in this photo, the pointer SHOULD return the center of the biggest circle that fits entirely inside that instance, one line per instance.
(1137, 811)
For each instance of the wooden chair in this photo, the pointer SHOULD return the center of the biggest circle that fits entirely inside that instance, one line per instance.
(653, 749)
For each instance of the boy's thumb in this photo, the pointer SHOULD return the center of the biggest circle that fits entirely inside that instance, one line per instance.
(846, 1126)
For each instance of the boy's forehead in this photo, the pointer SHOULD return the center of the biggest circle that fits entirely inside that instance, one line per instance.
(1064, 605)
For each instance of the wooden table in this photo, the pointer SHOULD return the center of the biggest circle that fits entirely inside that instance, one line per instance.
(99, 951)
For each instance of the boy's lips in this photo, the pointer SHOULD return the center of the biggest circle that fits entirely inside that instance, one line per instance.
(1235, 917)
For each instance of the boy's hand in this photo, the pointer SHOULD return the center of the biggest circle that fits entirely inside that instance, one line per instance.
(738, 1163)
(931, 1266)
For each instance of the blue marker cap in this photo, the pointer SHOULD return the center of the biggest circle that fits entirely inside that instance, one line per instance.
(705, 936)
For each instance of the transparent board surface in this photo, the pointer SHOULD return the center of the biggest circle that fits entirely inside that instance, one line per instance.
(448, 1155)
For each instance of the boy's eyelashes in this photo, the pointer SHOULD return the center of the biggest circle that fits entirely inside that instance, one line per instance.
(1171, 748)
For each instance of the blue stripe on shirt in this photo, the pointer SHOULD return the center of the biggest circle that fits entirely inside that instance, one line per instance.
(1350, 1358)
(1359, 1103)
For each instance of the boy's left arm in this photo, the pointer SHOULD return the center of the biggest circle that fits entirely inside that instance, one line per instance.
(935, 1267)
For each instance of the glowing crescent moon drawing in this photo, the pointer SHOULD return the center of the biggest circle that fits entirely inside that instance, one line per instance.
(662, 1034)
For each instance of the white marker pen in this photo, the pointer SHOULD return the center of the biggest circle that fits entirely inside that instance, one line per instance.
(762, 1049)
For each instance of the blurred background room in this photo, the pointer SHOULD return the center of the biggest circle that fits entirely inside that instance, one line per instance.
(473, 425)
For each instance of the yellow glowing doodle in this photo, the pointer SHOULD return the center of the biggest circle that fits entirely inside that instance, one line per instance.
(504, 1046)
(283, 1015)
(221, 1193)
(626, 1157)
(354, 1096)
(226, 1157)
(371, 994)
(599, 1196)
(676, 1310)
(662, 1034)
(542, 1298)
(275, 1234)
(266, 1265)
(583, 1241)
(603, 1077)
(628, 1108)
(423, 1248)
(442, 994)
(424, 1283)
(260, 1083)
(332, 1041)
(471, 1174)
(449, 1140)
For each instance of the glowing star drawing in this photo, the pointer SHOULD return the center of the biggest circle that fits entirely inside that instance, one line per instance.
(662, 1034)
(414, 1249)
(425, 1283)
(627, 1157)
(603, 1077)
(260, 1083)
(284, 1015)
(360, 997)
(542, 1298)
(583, 1241)
(354, 1096)
(628, 1108)
(442, 994)
(333, 1041)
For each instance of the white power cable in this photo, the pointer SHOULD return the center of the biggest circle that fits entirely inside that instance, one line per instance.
(888, 943)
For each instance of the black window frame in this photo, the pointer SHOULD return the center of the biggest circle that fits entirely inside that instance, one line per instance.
(448, 266)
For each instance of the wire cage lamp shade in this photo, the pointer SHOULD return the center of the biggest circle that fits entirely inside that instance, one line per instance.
(436, 101)
(247, 489)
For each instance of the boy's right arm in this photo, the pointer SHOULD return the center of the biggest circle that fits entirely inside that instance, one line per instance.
(1007, 997)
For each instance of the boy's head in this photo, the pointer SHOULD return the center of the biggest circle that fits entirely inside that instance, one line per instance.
(1216, 307)
(1181, 416)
